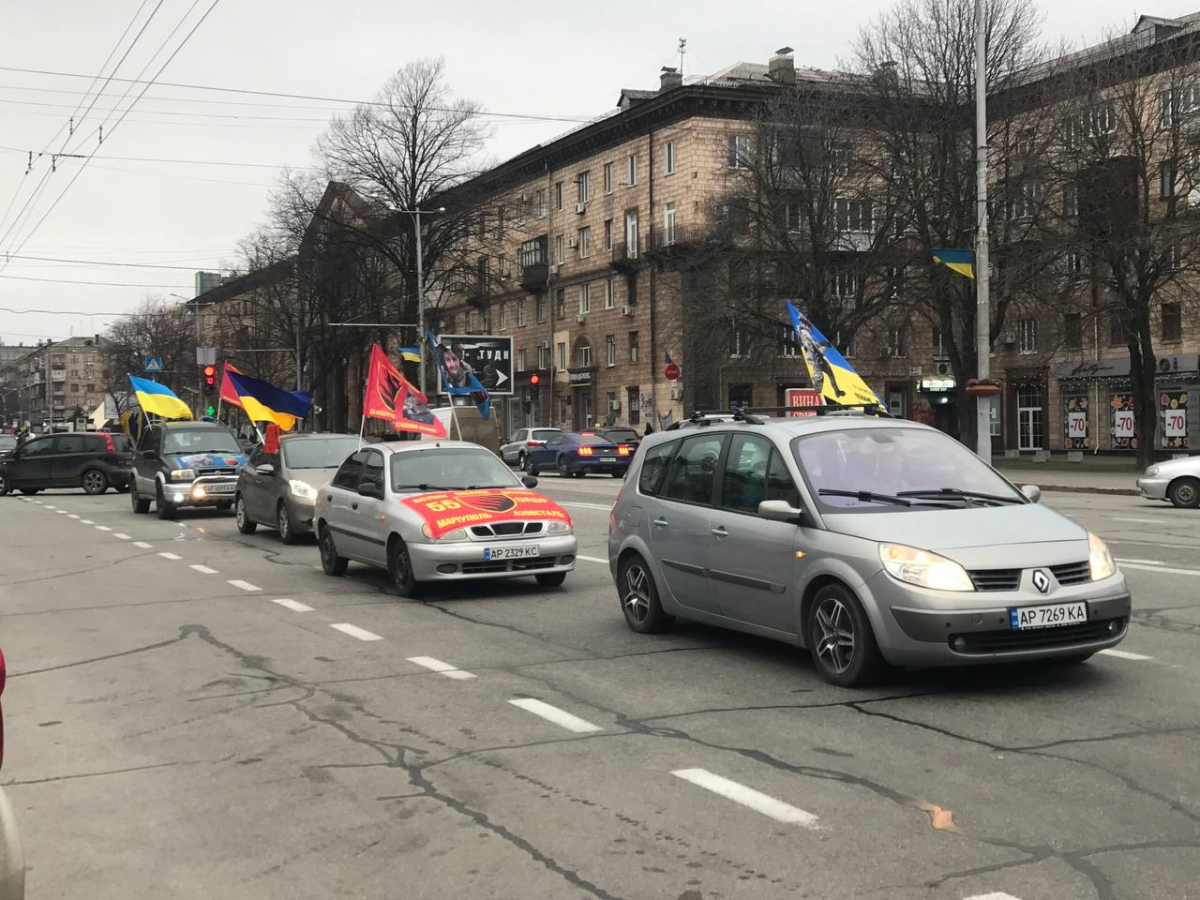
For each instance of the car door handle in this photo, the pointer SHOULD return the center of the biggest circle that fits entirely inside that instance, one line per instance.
(354, 506)
(660, 522)
(720, 531)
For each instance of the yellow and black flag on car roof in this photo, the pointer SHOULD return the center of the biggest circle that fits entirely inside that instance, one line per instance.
(961, 261)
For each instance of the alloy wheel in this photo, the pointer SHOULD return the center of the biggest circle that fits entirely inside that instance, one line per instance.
(563, 469)
(94, 482)
(637, 595)
(836, 642)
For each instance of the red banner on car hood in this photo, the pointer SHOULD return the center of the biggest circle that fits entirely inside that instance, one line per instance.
(446, 510)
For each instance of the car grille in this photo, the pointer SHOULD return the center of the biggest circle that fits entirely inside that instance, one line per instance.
(508, 565)
(1036, 639)
(996, 579)
(1073, 573)
(200, 473)
(507, 529)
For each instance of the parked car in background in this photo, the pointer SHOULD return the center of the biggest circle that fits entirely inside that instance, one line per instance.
(185, 464)
(522, 441)
(440, 512)
(8, 443)
(94, 461)
(619, 435)
(12, 861)
(280, 489)
(1177, 480)
(577, 453)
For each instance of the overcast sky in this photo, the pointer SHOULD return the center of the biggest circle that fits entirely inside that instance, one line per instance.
(563, 59)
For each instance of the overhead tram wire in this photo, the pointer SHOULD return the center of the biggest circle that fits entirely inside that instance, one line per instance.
(187, 162)
(93, 262)
(99, 283)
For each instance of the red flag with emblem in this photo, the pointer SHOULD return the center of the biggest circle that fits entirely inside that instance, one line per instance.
(392, 397)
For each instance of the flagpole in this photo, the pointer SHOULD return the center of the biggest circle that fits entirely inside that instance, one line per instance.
(983, 403)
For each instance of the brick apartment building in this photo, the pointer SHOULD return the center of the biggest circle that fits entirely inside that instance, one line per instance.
(60, 382)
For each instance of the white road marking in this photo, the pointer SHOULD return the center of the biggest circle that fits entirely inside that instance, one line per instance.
(72, 516)
(1144, 562)
(62, 512)
(442, 668)
(123, 537)
(1000, 895)
(595, 559)
(589, 506)
(755, 800)
(143, 545)
(555, 715)
(293, 605)
(48, 506)
(203, 570)
(103, 528)
(1162, 568)
(86, 522)
(169, 556)
(354, 631)
(245, 585)
(1139, 521)
(1125, 654)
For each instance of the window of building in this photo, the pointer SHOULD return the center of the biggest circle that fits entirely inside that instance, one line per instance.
(738, 151)
(897, 346)
(631, 289)
(560, 250)
(485, 319)
(633, 346)
(608, 178)
(1074, 263)
(1070, 200)
(1116, 328)
(1175, 104)
(631, 233)
(560, 303)
(558, 195)
(1027, 335)
(610, 293)
(521, 360)
(788, 346)
(738, 346)
(503, 316)
(543, 207)
(847, 281)
(669, 157)
(585, 298)
(584, 355)
(791, 215)
(1025, 199)
(1102, 119)
(585, 242)
(521, 313)
(1168, 178)
(610, 350)
(1172, 322)
(631, 163)
(852, 214)
(608, 234)
(584, 183)
(669, 224)
(842, 157)
(562, 354)
(543, 307)
(543, 356)
(1072, 331)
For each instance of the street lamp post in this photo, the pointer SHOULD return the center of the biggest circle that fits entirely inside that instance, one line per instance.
(418, 228)
(983, 323)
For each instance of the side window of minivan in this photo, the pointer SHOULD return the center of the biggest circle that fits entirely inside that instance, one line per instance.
(693, 470)
(654, 467)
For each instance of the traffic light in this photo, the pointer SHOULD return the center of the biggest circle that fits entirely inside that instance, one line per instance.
(211, 410)
(535, 379)
(210, 378)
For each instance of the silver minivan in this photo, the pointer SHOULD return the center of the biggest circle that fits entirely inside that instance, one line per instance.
(870, 541)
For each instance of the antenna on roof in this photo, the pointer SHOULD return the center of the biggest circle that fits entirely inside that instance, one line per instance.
(682, 51)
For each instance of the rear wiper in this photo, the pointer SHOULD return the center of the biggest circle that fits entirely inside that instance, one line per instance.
(955, 492)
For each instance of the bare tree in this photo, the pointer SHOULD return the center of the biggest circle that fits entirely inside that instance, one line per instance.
(157, 328)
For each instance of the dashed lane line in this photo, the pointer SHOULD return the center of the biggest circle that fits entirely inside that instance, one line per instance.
(86, 522)
(143, 545)
(1125, 654)
(103, 528)
(1158, 567)
(748, 797)
(1000, 895)
(557, 716)
(595, 559)
(354, 631)
(589, 506)
(203, 570)
(442, 668)
(62, 512)
(121, 537)
(1144, 562)
(169, 556)
(1139, 521)
(293, 605)
(72, 516)
(244, 585)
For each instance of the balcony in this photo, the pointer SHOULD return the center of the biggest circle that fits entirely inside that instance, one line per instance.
(477, 290)
(535, 268)
(627, 257)
(677, 241)
(57, 375)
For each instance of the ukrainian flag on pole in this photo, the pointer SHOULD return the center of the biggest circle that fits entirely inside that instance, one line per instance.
(158, 399)
(961, 261)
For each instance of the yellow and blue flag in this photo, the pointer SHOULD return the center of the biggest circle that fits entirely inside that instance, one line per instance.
(410, 354)
(158, 399)
(961, 261)
(831, 375)
(263, 402)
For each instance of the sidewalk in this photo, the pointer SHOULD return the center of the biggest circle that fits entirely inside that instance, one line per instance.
(1099, 476)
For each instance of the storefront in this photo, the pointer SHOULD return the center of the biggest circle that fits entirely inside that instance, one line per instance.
(1026, 404)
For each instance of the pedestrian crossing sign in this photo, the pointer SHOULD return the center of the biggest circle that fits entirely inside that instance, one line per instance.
(153, 363)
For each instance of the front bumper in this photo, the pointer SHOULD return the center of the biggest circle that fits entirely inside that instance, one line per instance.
(12, 862)
(302, 513)
(1153, 488)
(199, 493)
(463, 560)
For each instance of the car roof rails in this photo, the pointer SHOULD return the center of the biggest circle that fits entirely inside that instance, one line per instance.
(747, 414)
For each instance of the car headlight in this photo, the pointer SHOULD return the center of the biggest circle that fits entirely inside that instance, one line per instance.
(1152, 471)
(303, 489)
(1100, 561)
(458, 534)
(925, 569)
(559, 527)
(183, 475)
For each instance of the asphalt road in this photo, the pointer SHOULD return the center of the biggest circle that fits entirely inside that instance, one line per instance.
(194, 713)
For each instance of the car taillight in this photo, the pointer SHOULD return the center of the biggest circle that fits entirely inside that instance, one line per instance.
(112, 448)
(586, 451)
(622, 451)
(532, 444)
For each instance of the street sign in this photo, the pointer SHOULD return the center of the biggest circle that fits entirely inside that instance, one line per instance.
(489, 356)
(802, 398)
(154, 364)
(672, 372)
(206, 356)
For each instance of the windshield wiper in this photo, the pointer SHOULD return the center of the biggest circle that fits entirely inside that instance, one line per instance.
(956, 492)
(424, 487)
(865, 496)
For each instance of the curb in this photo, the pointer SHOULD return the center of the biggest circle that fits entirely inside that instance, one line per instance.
(1071, 489)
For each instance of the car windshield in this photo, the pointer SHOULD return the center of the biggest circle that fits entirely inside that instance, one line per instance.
(7, 442)
(199, 440)
(621, 434)
(544, 434)
(449, 468)
(318, 453)
(896, 469)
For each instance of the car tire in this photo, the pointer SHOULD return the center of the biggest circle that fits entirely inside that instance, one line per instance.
(245, 524)
(332, 564)
(1184, 493)
(835, 615)
(283, 524)
(122, 488)
(563, 468)
(29, 492)
(619, 474)
(94, 482)
(639, 597)
(530, 468)
(400, 568)
(137, 503)
(5, 487)
(551, 579)
(520, 460)
(162, 508)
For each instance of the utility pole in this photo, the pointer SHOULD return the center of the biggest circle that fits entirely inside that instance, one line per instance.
(983, 322)
(418, 228)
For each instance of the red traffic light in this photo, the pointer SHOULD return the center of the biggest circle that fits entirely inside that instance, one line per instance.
(210, 375)
(535, 379)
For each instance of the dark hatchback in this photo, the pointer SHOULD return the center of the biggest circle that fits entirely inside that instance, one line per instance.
(94, 461)
(577, 453)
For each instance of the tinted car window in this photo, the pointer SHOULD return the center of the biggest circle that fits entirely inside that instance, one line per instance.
(7, 442)
(70, 444)
(621, 434)
(744, 483)
(372, 471)
(591, 439)
(39, 447)
(779, 481)
(347, 475)
(654, 467)
(517, 436)
(122, 443)
(693, 470)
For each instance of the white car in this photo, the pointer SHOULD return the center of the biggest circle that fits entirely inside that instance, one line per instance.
(513, 450)
(1177, 480)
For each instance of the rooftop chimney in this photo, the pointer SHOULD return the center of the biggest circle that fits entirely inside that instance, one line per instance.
(782, 68)
(670, 78)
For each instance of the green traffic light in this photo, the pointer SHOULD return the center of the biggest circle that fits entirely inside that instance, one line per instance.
(212, 410)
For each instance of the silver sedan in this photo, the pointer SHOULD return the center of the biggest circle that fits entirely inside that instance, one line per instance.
(1177, 480)
(440, 511)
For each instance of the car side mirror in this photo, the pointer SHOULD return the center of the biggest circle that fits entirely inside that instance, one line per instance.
(529, 481)
(1033, 492)
(265, 469)
(780, 511)
(371, 489)
(149, 454)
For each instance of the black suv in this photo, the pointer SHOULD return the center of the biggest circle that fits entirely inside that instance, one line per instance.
(94, 461)
(185, 464)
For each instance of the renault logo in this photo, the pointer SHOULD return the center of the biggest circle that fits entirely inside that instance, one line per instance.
(1041, 581)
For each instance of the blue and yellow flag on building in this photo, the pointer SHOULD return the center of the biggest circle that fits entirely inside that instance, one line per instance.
(828, 370)
(410, 354)
(158, 399)
(263, 402)
(961, 261)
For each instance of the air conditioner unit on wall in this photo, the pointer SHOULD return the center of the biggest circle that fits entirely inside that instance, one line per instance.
(580, 208)
(676, 393)
(627, 310)
(614, 405)
(573, 243)
(581, 318)
(943, 368)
